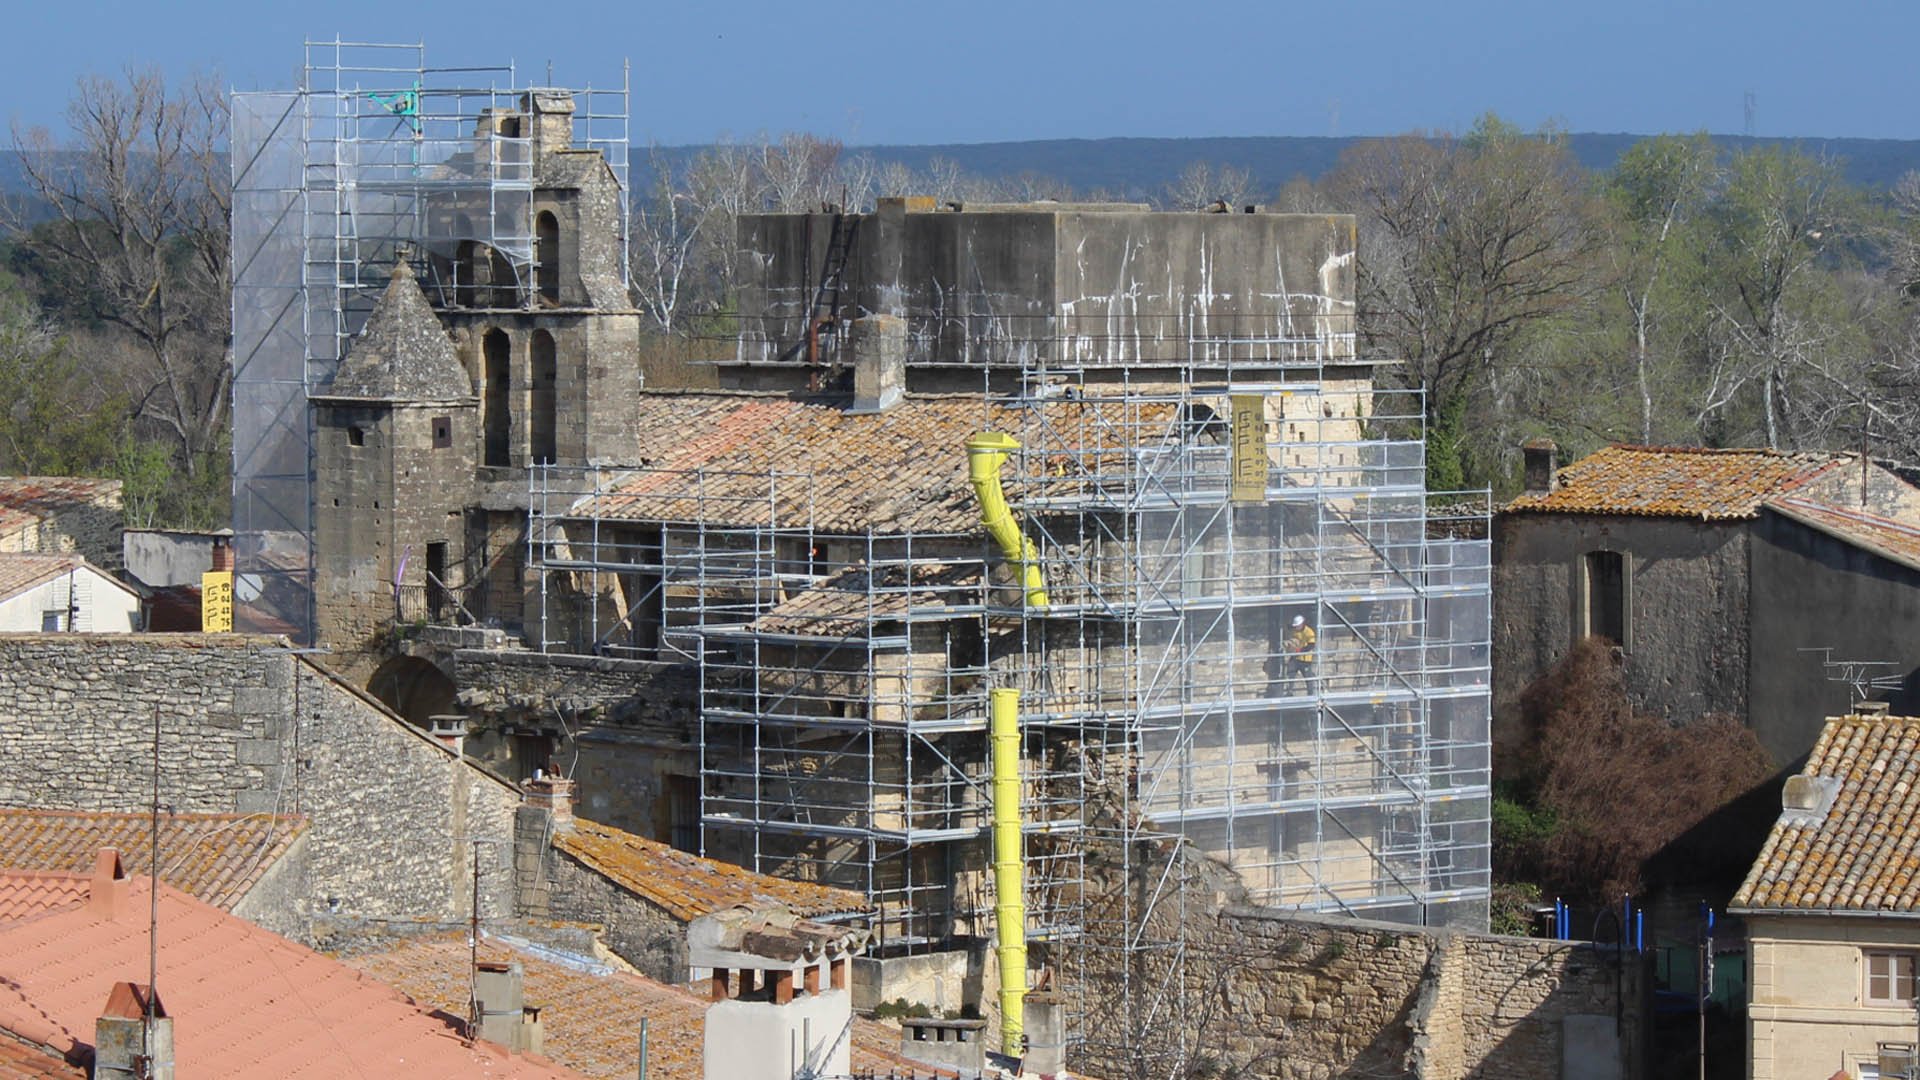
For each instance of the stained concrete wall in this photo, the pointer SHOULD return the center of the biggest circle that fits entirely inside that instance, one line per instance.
(1013, 285)
(159, 557)
(1813, 591)
(1688, 653)
(248, 728)
(1806, 1010)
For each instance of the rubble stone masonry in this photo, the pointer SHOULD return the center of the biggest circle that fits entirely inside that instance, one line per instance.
(248, 727)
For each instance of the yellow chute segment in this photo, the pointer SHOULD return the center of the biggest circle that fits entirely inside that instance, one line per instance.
(986, 452)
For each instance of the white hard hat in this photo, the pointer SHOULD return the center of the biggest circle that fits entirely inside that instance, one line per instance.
(1299, 620)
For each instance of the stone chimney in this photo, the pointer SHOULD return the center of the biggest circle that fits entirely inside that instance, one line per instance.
(107, 893)
(879, 362)
(125, 1046)
(505, 1017)
(550, 114)
(1540, 473)
(450, 729)
(553, 794)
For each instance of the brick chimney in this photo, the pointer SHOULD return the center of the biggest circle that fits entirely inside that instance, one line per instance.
(1540, 474)
(125, 1047)
(222, 552)
(553, 794)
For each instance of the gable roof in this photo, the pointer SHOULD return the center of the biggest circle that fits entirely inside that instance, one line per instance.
(1684, 482)
(247, 1002)
(1858, 854)
(590, 1014)
(757, 459)
(27, 499)
(688, 886)
(214, 857)
(403, 353)
(27, 893)
(20, 571)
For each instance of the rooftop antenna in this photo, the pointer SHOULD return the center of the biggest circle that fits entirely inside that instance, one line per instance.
(153, 899)
(1748, 104)
(1858, 675)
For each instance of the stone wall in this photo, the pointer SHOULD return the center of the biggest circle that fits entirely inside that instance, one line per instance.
(91, 527)
(395, 817)
(554, 885)
(1222, 987)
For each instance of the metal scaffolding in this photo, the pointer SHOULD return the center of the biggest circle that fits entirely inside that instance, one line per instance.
(1186, 528)
(376, 156)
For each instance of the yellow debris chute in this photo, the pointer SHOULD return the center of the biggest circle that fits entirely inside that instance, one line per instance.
(1009, 868)
(986, 452)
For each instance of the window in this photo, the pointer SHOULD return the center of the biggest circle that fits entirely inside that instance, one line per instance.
(542, 427)
(546, 256)
(1889, 978)
(50, 621)
(442, 432)
(1606, 597)
(356, 436)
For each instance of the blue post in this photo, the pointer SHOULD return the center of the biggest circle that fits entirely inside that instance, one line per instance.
(1640, 931)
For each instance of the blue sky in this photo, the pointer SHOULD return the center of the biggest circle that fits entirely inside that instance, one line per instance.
(988, 70)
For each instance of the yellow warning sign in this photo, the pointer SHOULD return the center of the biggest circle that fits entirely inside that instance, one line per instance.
(1249, 463)
(216, 602)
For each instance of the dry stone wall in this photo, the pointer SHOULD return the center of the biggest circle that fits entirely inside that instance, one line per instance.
(245, 726)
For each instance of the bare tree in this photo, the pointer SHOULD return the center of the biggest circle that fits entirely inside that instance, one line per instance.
(801, 171)
(1201, 185)
(136, 239)
(667, 226)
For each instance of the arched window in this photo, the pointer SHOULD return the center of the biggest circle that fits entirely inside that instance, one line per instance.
(541, 425)
(546, 256)
(496, 405)
(506, 283)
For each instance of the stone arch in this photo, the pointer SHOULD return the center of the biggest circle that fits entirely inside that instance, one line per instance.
(496, 404)
(542, 427)
(416, 689)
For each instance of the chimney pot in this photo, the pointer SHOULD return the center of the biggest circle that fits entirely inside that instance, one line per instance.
(553, 794)
(121, 1047)
(1539, 475)
(107, 891)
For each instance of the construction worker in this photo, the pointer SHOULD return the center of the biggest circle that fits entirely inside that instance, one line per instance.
(1298, 647)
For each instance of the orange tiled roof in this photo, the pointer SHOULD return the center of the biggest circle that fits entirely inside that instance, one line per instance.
(688, 886)
(247, 1003)
(214, 857)
(1655, 481)
(26, 499)
(27, 893)
(591, 1019)
(1861, 853)
(742, 459)
(19, 1061)
(1883, 536)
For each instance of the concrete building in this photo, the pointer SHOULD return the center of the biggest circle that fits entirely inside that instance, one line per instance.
(1743, 582)
(1832, 910)
(54, 593)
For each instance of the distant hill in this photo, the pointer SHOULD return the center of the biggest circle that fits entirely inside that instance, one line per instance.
(1139, 168)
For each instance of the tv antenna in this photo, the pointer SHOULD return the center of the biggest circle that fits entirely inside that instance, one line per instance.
(1861, 677)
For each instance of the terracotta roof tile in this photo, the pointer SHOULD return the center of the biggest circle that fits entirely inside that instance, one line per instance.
(1675, 482)
(591, 1016)
(1862, 853)
(19, 1061)
(688, 886)
(27, 893)
(247, 1003)
(26, 499)
(214, 857)
(740, 459)
(20, 572)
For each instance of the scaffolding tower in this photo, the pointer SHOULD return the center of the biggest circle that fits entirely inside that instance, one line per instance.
(1186, 528)
(375, 157)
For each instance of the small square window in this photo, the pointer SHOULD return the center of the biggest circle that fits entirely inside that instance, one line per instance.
(50, 621)
(1890, 978)
(442, 432)
(356, 436)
